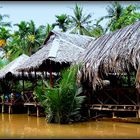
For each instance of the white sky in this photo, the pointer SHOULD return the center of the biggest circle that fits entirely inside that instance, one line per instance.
(43, 12)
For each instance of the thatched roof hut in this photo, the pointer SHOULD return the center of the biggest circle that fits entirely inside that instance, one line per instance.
(60, 48)
(12, 67)
(117, 53)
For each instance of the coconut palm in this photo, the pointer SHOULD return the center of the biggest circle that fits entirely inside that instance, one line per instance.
(22, 29)
(62, 21)
(130, 16)
(49, 28)
(80, 22)
(114, 13)
(21, 35)
(3, 23)
(97, 30)
(35, 37)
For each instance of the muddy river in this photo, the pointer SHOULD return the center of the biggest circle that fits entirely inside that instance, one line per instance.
(24, 126)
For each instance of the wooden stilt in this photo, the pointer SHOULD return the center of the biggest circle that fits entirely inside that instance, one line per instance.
(9, 111)
(2, 108)
(28, 110)
(37, 108)
(113, 115)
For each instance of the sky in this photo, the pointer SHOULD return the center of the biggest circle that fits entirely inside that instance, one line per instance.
(43, 12)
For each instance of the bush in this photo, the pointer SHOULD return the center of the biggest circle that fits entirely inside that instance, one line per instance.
(63, 102)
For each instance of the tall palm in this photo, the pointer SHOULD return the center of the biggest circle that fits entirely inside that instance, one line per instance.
(49, 28)
(22, 29)
(4, 23)
(97, 30)
(80, 22)
(62, 21)
(21, 35)
(35, 36)
(13, 48)
(130, 16)
(114, 13)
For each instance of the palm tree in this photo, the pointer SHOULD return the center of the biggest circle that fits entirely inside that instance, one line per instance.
(130, 16)
(62, 22)
(35, 36)
(3, 23)
(21, 36)
(114, 13)
(97, 30)
(49, 28)
(22, 29)
(80, 22)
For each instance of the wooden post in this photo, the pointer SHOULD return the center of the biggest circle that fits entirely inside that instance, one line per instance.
(28, 110)
(113, 115)
(9, 111)
(37, 111)
(2, 108)
(51, 80)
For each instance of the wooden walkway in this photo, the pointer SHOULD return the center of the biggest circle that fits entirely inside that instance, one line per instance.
(112, 107)
(33, 104)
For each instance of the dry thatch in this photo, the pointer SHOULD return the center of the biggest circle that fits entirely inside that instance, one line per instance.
(13, 66)
(117, 53)
(58, 47)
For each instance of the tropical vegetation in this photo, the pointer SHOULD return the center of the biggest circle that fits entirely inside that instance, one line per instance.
(62, 103)
(28, 38)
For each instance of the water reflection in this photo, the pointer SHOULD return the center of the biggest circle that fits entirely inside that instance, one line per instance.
(24, 126)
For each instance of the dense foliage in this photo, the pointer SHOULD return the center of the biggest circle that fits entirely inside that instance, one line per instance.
(28, 38)
(63, 102)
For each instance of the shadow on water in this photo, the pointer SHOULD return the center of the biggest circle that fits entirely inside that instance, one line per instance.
(24, 126)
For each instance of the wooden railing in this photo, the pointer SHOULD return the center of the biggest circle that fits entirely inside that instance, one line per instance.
(113, 107)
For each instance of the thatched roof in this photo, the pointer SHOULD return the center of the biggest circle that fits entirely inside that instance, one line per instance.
(116, 52)
(58, 47)
(13, 66)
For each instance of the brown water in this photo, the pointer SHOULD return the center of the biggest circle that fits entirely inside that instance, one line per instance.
(24, 126)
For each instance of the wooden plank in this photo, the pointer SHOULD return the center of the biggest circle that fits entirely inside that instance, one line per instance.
(113, 105)
(107, 109)
(29, 104)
